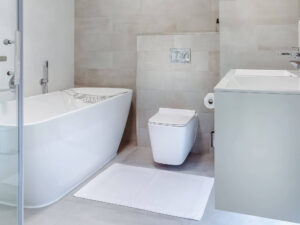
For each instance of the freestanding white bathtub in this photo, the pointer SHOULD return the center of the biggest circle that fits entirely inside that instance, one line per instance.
(67, 140)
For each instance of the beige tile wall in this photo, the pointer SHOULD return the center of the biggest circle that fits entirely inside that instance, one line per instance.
(161, 83)
(252, 32)
(41, 42)
(106, 30)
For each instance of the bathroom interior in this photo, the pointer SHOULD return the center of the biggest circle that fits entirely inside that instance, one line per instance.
(155, 112)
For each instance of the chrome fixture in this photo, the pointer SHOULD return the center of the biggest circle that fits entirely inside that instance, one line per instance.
(180, 55)
(14, 76)
(12, 80)
(295, 64)
(10, 73)
(44, 81)
(8, 42)
(294, 53)
(12, 83)
(3, 58)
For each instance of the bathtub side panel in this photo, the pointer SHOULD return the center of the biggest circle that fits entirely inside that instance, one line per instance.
(62, 153)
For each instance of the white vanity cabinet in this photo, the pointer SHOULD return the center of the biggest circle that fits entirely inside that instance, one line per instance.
(257, 144)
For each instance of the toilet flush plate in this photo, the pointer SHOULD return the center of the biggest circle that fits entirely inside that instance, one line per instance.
(180, 55)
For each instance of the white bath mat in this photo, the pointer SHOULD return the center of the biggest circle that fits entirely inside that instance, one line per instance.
(159, 191)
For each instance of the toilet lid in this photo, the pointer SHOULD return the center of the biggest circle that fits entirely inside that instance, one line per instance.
(172, 117)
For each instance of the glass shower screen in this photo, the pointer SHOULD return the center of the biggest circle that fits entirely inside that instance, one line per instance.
(11, 206)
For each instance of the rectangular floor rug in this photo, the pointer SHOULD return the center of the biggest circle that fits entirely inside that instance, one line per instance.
(159, 191)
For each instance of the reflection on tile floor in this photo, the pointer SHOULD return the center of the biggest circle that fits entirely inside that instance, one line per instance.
(76, 211)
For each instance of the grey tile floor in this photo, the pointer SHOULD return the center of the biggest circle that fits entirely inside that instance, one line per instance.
(76, 211)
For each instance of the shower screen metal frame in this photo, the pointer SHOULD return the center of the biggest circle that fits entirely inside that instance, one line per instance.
(19, 64)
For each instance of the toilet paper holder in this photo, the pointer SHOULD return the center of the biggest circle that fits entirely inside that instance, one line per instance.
(209, 101)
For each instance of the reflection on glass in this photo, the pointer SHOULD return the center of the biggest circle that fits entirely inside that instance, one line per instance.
(8, 117)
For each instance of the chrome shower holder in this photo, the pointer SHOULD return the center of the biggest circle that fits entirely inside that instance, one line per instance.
(45, 80)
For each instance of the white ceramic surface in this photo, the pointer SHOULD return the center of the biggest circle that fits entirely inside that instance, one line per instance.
(66, 140)
(267, 81)
(171, 144)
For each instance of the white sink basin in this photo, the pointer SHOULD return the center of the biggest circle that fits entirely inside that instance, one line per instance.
(278, 81)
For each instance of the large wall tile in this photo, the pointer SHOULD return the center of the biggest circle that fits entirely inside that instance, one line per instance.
(95, 60)
(274, 37)
(253, 32)
(204, 42)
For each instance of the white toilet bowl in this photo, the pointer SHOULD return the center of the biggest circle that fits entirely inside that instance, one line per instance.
(172, 134)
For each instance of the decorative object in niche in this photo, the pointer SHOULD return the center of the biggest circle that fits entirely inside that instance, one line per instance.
(180, 55)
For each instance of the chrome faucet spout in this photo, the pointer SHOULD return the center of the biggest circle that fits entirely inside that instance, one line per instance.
(294, 53)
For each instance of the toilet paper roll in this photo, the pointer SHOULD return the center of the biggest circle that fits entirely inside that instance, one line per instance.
(209, 101)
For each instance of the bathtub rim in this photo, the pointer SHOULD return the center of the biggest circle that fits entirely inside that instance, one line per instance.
(128, 91)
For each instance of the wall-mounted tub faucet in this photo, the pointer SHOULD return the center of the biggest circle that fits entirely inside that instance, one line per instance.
(8, 42)
(11, 74)
(295, 64)
(45, 80)
(12, 80)
(294, 53)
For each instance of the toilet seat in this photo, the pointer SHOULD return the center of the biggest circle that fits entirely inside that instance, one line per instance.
(172, 117)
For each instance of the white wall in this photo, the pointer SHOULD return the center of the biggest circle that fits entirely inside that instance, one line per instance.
(8, 26)
(48, 35)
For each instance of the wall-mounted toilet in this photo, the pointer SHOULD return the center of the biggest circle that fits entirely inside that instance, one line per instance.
(172, 135)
